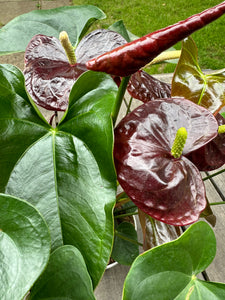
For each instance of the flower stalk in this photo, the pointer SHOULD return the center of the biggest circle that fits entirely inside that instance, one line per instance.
(217, 203)
(126, 215)
(213, 175)
(119, 97)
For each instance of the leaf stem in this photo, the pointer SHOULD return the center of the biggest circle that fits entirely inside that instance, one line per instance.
(129, 105)
(123, 200)
(125, 215)
(151, 220)
(217, 203)
(212, 175)
(124, 209)
(127, 239)
(119, 97)
(120, 197)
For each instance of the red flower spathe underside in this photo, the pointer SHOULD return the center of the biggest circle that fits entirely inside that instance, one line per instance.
(212, 155)
(168, 189)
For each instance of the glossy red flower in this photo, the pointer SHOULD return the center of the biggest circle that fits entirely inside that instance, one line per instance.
(168, 189)
(212, 155)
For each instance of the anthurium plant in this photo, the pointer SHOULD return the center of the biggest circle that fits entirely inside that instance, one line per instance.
(60, 211)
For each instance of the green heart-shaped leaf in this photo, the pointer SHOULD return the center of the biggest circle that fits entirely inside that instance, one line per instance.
(169, 271)
(67, 172)
(89, 117)
(16, 111)
(76, 20)
(66, 277)
(190, 82)
(24, 247)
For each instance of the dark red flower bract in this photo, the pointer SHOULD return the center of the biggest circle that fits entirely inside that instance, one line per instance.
(168, 189)
(48, 75)
(212, 155)
(145, 87)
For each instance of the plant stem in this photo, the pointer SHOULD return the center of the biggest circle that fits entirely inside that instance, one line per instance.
(124, 209)
(126, 215)
(119, 98)
(154, 231)
(39, 4)
(127, 239)
(123, 200)
(129, 105)
(217, 203)
(120, 197)
(56, 118)
(212, 175)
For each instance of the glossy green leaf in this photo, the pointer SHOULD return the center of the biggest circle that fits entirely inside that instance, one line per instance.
(88, 117)
(24, 247)
(121, 29)
(169, 271)
(125, 248)
(70, 180)
(223, 114)
(16, 111)
(207, 90)
(66, 277)
(76, 20)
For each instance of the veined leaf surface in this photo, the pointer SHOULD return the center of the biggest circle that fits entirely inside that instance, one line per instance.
(190, 82)
(169, 271)
(76, 20)
(24, 247)
(65, 277)
(66, 172)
